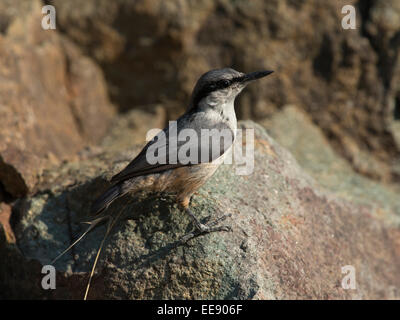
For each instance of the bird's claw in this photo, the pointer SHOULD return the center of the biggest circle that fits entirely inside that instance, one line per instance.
(202, 229)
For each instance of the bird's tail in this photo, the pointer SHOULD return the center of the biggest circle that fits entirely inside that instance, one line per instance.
(102, 202)
(99, 205)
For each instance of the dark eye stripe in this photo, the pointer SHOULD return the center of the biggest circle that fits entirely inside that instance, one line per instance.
(238, 79)
(213, 86)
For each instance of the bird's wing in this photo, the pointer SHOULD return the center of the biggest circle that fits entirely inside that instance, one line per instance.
(192, 150)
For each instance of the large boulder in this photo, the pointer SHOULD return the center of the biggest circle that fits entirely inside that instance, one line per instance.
(291, 237)
(53, 99)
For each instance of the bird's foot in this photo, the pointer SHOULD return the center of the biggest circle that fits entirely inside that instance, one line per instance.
(202, 229)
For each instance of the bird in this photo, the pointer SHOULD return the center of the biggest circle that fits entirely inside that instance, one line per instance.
(211, 107)
(210, 111)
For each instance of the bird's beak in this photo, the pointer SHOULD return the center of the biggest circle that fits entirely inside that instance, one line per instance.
(255, 75)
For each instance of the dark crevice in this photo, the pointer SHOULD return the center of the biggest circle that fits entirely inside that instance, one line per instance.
(323, 62)
(16, 214)
(5, 196)
(396, 113)
(11, 181)
(4, 23)
(347, 55)
(364, 6)
(389, 59)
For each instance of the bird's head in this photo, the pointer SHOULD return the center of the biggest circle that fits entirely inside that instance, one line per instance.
(221, 86)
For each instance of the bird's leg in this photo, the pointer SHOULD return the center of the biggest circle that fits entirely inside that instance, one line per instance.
(202, 229)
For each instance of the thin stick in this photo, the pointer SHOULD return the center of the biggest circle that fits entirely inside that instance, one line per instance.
(97, 257)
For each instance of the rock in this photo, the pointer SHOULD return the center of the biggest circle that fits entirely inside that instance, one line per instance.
(131, 128)
(291, 237)
(347, 80)
(53, 99)
(293, 129)
(18, 277)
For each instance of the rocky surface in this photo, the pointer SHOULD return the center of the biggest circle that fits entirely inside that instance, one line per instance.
(347, 80)
(291, 237)
(53, 99)
(293, 129)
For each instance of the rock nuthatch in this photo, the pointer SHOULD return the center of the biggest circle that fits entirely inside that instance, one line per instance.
(211, 109)
(209, 118)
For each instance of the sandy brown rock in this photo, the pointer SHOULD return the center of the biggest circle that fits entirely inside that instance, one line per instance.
(53, 100)
(131, 128)
(290, 240)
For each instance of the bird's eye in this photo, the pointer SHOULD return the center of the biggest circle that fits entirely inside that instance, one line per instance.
(226, 83)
